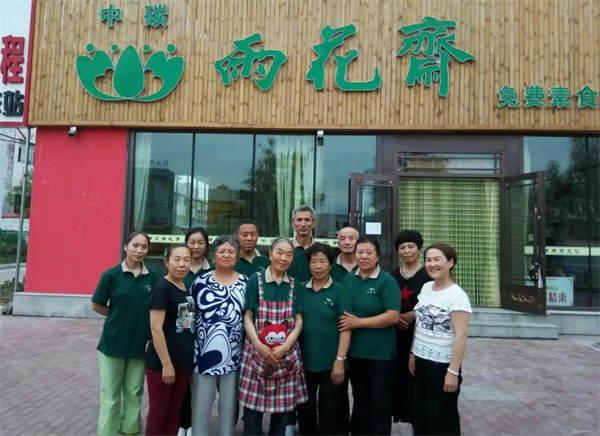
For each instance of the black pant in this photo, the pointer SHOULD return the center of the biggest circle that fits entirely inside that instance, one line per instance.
(319, 416)
(372, 390)
(435, 412)
(253, 423)
(185, 420)
(403, 380)
(344, 408)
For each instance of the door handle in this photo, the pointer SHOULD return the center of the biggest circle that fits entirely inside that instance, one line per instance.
(535, 274)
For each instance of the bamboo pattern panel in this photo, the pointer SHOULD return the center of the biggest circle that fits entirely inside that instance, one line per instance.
(516, 42)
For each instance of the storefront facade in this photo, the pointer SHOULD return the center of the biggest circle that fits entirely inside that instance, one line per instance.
(476, 124)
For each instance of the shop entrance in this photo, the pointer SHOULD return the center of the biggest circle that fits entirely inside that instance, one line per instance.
(494, 222)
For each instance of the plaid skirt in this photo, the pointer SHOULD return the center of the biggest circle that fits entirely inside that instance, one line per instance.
(278, 393)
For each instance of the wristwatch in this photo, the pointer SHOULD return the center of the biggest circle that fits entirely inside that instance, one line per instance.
(451, 371)
(340, 358)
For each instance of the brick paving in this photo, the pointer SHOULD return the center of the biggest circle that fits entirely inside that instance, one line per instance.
(49, 382)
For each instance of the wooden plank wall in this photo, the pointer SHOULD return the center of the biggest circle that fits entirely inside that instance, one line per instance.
(517, 43)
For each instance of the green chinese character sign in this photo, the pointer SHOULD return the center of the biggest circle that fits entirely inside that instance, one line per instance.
(430, 38)
(332, 39)
(587, 97)
(129, 79)
(245, 57)
(110, 15)
(156, 15)
(508, 97)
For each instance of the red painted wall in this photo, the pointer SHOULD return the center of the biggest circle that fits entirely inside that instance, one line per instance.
(76, 208)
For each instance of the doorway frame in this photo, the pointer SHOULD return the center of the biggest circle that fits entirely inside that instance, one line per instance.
(507, 146)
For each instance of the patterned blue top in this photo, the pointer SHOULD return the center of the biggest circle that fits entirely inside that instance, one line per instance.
(219, 325)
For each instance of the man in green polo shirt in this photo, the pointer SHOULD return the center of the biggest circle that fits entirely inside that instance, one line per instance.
(251, 261)
(324, 348)
(346, 261)
(303, 222)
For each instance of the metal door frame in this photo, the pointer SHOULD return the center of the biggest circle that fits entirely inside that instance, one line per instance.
(539, 230)
(353, 218)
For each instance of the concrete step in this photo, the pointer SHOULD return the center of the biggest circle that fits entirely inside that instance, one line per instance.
(502, 315)
(512, 330)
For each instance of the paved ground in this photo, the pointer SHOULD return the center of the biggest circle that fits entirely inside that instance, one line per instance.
(49, 382)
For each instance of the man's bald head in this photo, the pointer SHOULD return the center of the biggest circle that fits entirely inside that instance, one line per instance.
(347, 238)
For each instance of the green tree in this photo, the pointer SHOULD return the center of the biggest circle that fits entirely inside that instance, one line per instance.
(14, 199)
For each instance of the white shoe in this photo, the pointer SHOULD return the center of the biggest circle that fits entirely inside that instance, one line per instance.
(181, 432)
(188, 432)
(290, 430)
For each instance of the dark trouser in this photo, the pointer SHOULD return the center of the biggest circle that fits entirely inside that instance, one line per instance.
(253, 423)
(403, 380)
(372, 390)
(165, 402)
(344, 408)
(186, 410)
(435, 412)
(319, 416)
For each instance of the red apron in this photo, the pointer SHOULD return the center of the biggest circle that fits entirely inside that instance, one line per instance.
(285, 388)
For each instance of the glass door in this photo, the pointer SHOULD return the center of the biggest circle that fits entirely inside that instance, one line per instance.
(372, 205)
(523, 248)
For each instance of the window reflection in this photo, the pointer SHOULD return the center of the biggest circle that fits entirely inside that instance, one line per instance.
(336, 159)
(161, 183)
(222, 181)
(572, 215)
(284, 176)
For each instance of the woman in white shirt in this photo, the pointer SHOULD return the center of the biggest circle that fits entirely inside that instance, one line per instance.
(442, 321)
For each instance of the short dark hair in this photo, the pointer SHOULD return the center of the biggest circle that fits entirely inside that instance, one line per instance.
(447, 250)
(244, 222)
(174, 247)
(369, 240)
(195, 230)
(134, 234)
(321, 248)
(408, 236)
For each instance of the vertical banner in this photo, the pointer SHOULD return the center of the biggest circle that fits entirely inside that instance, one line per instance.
(16, 43)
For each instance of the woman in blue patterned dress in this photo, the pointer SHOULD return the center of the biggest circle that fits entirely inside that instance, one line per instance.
(219, 298)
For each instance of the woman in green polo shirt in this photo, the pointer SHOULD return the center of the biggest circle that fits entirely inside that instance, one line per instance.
(271, 376)
(197, 239)
(324, 348)
(376, 302)
(122, 297)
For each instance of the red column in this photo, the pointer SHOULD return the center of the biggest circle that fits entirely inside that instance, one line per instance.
(76, 208)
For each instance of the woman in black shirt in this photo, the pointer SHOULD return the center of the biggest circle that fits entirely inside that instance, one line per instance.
(170, 354)
(411, 276)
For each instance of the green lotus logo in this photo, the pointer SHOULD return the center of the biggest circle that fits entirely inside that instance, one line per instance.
(129, 72)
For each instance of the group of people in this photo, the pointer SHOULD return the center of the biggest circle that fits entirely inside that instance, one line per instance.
(284, 335)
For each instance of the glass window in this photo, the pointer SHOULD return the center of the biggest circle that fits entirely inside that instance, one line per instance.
(222, 181)
(161, 191)
(337, 157)
(572, 216)
(284, 174)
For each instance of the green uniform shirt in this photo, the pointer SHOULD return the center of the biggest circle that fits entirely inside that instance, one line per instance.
(320, 333)
(191, 276)
(127, 327)
(300, 269)
(371, 297)
(259, 263)
(272, 292)
(338, 271)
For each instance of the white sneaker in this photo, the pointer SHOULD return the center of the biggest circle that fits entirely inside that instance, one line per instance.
(181, 432)
(290, 430)
(188, 432)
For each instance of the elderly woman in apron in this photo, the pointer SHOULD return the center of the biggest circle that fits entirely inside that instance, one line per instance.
(272, 379)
